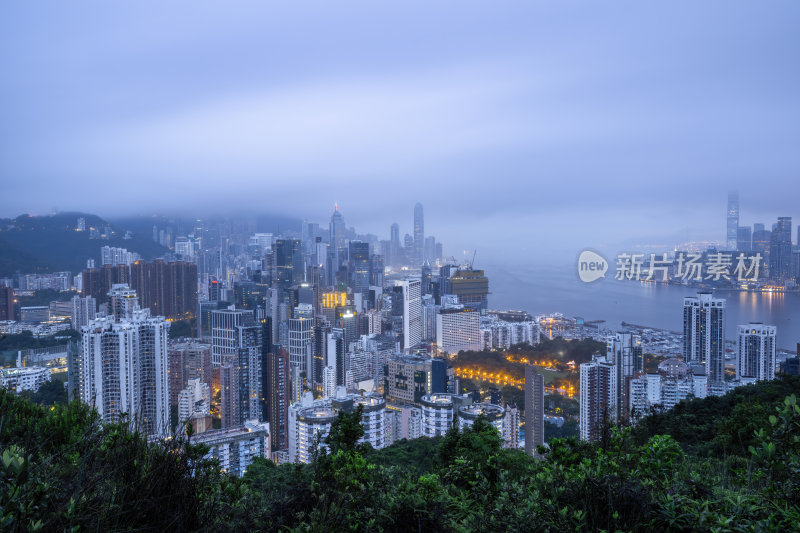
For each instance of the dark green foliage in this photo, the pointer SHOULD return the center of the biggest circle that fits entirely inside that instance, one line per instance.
(182, 328)
(720, 425)
(50, 243)
(560, 349)
(417, 454)
(64, 471)
(50, 393)
(45, 296)
(26, 340)
(61, 469)
(568, 429)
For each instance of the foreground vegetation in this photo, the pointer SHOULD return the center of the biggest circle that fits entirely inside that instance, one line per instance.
(63, 471)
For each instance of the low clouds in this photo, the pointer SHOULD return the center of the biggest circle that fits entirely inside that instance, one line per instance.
(537, 120)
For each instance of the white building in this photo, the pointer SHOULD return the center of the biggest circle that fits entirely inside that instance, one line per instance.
(438, 411)
(402, 422)
(124, 366)
(301, 336)
(110, 255)
(195, 399)
(20, 378)
(412, 312)
(236, 448)
(310, 422)
(494, 414)
(756, 352)
(704, 334)
(458, 328)
(84, 310)
(598, 399)
(500, 334)
(511, 422)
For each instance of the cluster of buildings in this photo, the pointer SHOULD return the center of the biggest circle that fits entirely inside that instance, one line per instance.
(287, 331)
(615, 387)
(782, 260)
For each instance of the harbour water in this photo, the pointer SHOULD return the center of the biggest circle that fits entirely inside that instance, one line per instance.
(538, 288)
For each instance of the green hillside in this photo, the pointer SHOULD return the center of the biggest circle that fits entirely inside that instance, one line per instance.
(41, 244)
(64, 471)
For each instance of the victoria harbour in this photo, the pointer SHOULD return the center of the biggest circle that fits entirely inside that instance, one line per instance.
(541, 289)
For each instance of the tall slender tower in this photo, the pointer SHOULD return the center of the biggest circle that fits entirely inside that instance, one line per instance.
(419, 235)
(732, 220)
(625, 351)
(704, 334)
(337, 228)
(534, 409)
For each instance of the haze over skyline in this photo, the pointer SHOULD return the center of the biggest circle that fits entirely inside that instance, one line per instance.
(540, 127)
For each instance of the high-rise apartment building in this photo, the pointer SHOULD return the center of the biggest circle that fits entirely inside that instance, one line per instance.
(534, 409)
(704, 334)
(279, 392)
(166, 288)
(124, 368)
(625, 351)
(84, 310)
(597, 397)
(458, 328)
(756, 352)
(224, 333)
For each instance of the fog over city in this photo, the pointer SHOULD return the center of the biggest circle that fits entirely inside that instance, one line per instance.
(536, 128)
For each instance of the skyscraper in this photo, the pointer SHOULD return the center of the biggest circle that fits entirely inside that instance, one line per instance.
(301, 329)
(419, 235)
(279, 396)
(289, 266)
(534, 409)
(224, 333)
(395, 247)
(625, 351)
(756, 352)
(337, 229)
(732, 220)
(359, 266)
(744, 239)
(597, 397)
(704, 334)
(229, 391)
(780, 249)
(410, 292)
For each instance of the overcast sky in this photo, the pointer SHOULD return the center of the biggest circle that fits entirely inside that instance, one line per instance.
(547, 123)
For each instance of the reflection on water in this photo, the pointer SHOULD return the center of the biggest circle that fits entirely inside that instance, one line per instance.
(541, 289)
